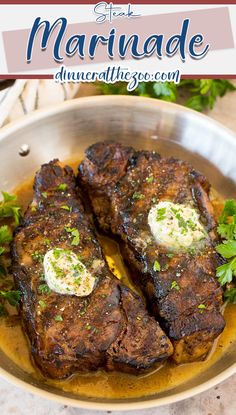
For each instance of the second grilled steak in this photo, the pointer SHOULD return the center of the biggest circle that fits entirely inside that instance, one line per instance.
(109, 328)
(180, 287)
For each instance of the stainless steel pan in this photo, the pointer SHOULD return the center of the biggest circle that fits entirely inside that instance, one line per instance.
(64, 132)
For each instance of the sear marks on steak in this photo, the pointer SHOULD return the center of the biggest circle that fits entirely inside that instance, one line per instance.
(112, 174)
(108, 329)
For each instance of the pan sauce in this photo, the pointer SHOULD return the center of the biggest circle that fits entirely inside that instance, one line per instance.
(112, 385)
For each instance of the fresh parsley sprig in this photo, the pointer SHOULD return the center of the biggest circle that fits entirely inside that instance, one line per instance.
(9, 209)
(227, 230)
(198, 94)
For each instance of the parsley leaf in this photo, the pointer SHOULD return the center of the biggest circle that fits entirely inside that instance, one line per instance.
(37, 256)
(229, 210)
(201, 307)
(9, 207)
(156, 266)
(150, 179)
(230, 295)
(66, 207)
(44, 289)
(227, 249)
(13, 297)
(75, 233)
(137, 195)
(62, 186)
(227, 230)
(42, 304)
(227, 221)
(161, 214)
(175, 285)
(58, 318)
(226, 272)
(5, 235)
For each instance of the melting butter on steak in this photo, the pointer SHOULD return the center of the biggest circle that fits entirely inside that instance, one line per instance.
(109, 328)
(179, 284)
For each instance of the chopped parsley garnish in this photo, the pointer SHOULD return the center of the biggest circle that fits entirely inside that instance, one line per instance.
(77, 269)
(191, 224)
(57, 253)
(42, 277)
(45, 195)
(58, 318)
(76, 236)
(191, 251)
(150, 179)
(42, 304)
(182, 223)
(62, 187)
(165, 267)
(58, 271)
(201, 306)
(161, 214)
(44, 289)
(156, 266)
(174, 285)
(170, 255)
(37, 256)
(66, 207)
(137, 195)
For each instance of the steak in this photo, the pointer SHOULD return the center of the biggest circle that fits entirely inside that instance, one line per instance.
(109, 328)
(123, 185)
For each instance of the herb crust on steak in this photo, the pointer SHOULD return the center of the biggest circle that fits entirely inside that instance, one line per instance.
(109, 328)
(182, 292)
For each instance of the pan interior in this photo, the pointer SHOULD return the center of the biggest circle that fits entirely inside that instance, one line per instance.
(68, 130)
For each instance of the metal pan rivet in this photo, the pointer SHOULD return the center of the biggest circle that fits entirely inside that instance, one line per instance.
(24, 150)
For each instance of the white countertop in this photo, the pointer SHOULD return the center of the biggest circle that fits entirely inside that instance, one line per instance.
(220, 400)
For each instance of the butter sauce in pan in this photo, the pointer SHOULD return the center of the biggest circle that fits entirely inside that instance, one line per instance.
(113, 385)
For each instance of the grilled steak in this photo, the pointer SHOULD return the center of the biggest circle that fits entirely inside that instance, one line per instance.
(109, 328)
(182, 292)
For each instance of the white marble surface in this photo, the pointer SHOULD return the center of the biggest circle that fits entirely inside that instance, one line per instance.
(221, 400)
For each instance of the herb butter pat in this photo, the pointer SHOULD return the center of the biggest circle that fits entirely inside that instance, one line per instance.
(66, 274)
(176, 226)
